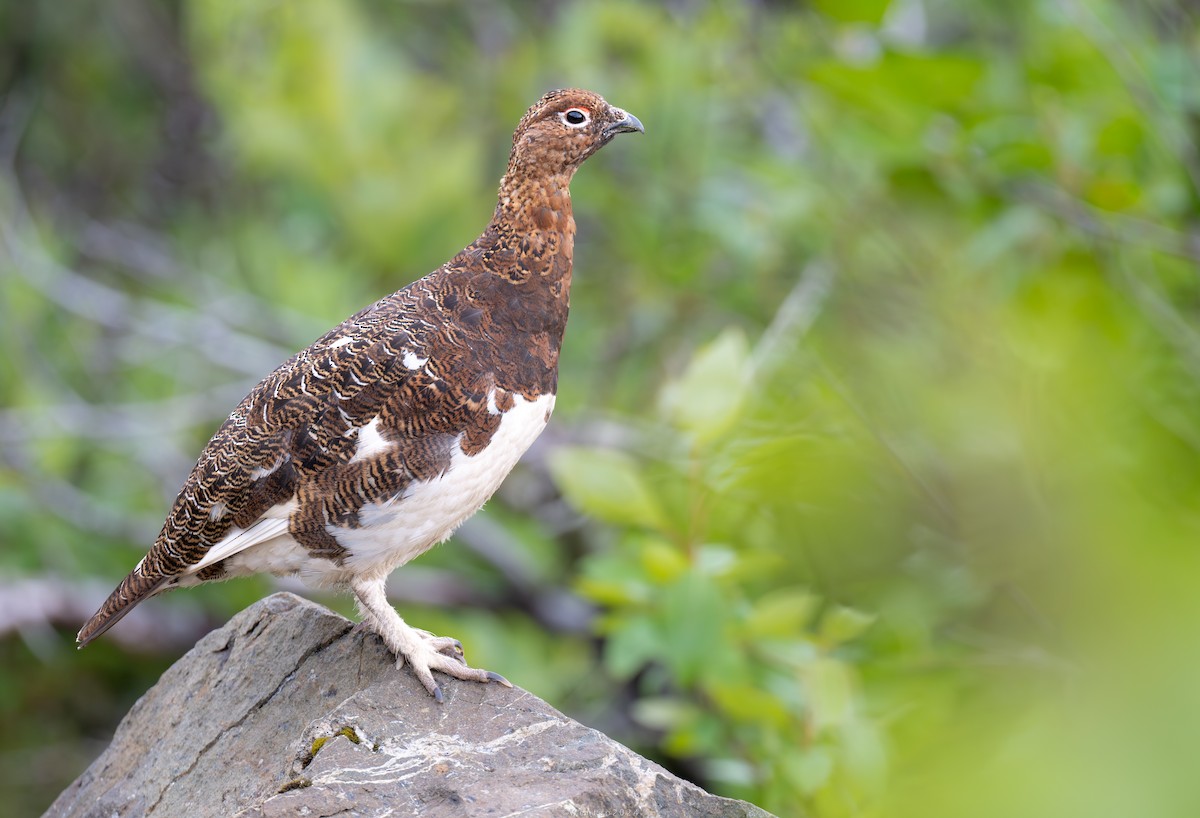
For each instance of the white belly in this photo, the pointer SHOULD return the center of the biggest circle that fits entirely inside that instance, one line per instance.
(392, 532)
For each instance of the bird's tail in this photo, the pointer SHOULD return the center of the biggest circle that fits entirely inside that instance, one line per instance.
(132, 590)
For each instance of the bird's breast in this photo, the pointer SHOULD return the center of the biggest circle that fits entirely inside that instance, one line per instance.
(391, 531)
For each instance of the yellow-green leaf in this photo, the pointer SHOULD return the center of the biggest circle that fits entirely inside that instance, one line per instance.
(607, 485)
(785, 612)
(708, 397)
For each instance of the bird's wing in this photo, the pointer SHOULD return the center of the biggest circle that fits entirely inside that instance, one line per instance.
(299, 420)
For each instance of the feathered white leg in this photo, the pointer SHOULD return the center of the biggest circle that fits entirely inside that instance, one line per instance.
(424, 651)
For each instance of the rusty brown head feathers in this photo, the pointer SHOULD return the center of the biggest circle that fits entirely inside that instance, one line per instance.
(562, 129)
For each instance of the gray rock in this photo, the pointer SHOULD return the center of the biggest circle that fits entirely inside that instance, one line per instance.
(288, 711)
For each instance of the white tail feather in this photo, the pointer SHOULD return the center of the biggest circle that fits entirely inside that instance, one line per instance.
(273, 523)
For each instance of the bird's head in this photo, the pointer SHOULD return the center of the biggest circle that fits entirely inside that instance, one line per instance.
(563, 128)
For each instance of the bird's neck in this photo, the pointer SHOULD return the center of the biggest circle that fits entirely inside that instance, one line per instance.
(533, 227)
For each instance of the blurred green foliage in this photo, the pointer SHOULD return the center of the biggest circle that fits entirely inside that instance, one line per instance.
(878, 395)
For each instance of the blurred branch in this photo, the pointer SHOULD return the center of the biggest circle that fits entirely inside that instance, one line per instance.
(1141, 85)
(137, 249)
(1122, 230)
(138, 420)
(1168, 321)
(1105, 224)
(158, 321)
(30, 606)
(205, 331)
(15, 113)
(130, 247)
(938, 502)
(795, 315)
(185, 168)
(76, 507)
(554, 608)
(148, 431)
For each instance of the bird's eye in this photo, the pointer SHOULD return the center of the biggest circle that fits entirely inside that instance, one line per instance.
(575, 117)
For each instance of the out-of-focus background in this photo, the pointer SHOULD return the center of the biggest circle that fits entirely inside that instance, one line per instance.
(874, 483)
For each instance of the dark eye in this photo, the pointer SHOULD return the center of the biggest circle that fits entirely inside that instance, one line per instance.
(575, 117)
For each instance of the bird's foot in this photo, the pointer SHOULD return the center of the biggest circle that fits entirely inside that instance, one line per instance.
(442, 644)
(445, 654)
(421, 649)
(446, 645)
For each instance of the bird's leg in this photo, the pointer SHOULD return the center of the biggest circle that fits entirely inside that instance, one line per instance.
(366, 621)
(369, 623)
(424, 651)
(442, 644)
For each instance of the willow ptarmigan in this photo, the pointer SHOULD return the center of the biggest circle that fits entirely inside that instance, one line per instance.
(372, 445)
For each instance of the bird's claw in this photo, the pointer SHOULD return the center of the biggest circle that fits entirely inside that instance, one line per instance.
(448, 646)
(445, 654)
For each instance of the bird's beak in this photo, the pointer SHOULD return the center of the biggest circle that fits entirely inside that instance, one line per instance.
(626, 124)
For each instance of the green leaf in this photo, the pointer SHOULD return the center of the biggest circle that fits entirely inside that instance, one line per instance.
(607, 485)
(830, 691)
(691, 616)
(630, 646)
(715, 560)
(610, 592)
(841, 624)
(664, 712)
(809, 769)
(854, 11)
(781, 613)
(662, 561)
(863, 754)
(613, 579)
(900, 95)
(707, 398)
(749, 704)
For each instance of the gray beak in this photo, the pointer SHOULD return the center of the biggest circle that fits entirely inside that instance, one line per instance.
(627, 124)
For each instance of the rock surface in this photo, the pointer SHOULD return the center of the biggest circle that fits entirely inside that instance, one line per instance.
(288, 711)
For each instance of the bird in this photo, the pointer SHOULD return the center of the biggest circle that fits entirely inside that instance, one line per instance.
(373, 444)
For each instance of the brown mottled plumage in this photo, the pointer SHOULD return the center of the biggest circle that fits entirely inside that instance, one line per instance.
(374, 443)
